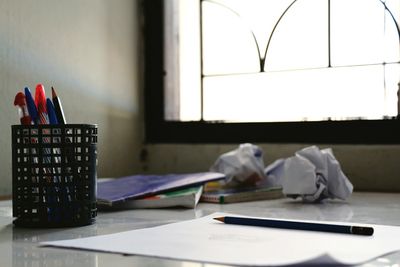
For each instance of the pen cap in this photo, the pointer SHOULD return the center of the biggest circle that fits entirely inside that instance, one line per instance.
(20, 102)
(51, 111)
(30, 102)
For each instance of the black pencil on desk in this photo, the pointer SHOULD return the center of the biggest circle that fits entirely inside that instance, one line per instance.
(320, 227)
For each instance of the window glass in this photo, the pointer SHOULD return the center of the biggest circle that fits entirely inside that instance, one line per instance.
(301, 38)
(304, 95)
(228, 44)
(324, 60)
(357, 34)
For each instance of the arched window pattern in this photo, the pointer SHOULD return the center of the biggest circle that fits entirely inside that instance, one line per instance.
(300, 60)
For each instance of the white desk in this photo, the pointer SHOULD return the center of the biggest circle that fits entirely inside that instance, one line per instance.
(19, 246)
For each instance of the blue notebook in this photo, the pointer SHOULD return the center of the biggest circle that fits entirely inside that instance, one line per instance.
(138, 186)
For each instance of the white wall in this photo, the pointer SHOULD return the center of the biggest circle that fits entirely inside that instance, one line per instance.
(89, 51)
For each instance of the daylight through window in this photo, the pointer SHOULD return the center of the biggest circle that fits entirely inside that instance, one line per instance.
(281, 60)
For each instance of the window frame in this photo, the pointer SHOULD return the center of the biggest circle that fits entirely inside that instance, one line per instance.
(159, 130)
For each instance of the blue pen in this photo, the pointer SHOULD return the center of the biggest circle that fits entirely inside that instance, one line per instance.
(31, 106)
(51, 112)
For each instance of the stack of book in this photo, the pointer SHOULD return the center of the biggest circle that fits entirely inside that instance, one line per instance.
(241, 194)
(153, 191)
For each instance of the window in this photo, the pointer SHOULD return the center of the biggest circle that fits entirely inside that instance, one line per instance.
(326, 76)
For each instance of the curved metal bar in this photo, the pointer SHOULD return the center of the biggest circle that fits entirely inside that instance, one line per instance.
(272, 33)
(384, 69)
(283, 14)
(261, 60)
(393, 18)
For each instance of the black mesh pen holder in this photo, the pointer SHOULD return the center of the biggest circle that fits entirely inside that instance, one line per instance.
(54, 175)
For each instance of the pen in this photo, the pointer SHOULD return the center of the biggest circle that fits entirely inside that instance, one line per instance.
(43, 118)
(40, 102)
(52, 113)
(331, 228)
(31, 106)
(23, 112)
(58, 107)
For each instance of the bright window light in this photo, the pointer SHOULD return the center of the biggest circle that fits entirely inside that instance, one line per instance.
(281, 60)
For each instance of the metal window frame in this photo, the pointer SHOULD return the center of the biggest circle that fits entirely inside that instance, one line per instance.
(159, 130)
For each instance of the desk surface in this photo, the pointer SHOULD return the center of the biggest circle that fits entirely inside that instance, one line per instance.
(19, 246)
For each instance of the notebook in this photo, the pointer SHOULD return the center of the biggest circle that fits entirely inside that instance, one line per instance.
(139, 186)
(180, 198)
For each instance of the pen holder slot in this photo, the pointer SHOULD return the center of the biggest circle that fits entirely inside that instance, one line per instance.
(54, 175)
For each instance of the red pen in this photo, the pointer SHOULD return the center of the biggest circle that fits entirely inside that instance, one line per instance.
(20, 102)
(40, 102)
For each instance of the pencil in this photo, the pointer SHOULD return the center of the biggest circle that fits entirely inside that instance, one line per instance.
(293, 225)
(58, 107)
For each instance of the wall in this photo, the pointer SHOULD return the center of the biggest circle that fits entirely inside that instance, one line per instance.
(89, 51)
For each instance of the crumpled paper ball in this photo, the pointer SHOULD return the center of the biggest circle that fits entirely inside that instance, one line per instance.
(243, 166)
(311, 174)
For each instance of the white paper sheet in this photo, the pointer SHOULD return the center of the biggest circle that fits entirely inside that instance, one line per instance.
(207, 240)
